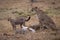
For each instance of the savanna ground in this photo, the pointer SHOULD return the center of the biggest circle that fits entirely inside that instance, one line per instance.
(9, 9)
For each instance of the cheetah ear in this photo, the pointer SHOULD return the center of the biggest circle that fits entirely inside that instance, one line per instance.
(34, 8)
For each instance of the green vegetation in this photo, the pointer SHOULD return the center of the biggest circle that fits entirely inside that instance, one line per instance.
(53, 11)
(6, 12)
(23, 13)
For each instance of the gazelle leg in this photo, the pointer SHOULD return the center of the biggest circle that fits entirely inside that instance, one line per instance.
(14, 26)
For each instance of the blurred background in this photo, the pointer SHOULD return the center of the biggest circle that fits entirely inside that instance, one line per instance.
(17, 8)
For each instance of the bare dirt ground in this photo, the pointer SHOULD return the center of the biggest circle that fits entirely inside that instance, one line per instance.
(9, 7)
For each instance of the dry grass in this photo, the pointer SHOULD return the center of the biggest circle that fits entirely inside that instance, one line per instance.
(9, 9)
(5, 27)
